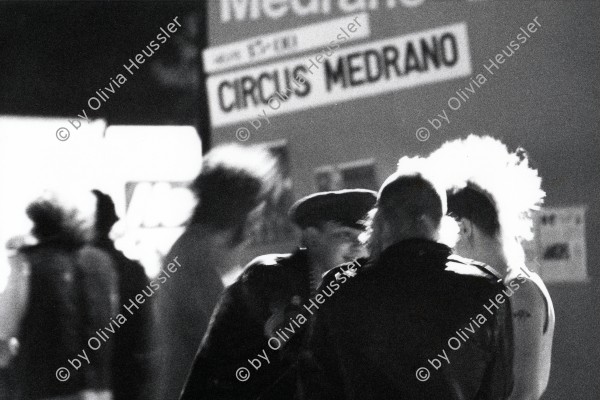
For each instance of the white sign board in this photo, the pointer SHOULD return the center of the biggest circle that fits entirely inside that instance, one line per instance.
(339, 75)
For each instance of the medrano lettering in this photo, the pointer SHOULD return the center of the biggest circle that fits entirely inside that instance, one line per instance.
(390, 62)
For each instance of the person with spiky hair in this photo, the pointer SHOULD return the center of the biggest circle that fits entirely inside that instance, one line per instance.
(232, 188)
(492, 193)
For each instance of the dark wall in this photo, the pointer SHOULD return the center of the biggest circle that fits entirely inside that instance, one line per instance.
(55, 55)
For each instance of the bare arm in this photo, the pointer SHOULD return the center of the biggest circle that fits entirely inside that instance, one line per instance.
(531, 357)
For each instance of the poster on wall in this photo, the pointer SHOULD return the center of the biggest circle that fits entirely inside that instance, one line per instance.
(358, 174)
(558, 252)
(328, 178)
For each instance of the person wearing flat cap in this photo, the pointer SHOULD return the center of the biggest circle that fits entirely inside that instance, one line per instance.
(260, 326)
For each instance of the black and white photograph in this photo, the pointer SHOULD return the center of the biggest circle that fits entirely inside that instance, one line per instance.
(299, 200)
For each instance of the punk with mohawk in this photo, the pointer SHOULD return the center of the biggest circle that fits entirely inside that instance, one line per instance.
(492, 193)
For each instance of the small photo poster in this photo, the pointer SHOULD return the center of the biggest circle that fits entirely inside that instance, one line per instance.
(559, 245)
(358, 174)
(328, 178)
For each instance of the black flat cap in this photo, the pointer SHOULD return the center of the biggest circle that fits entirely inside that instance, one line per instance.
(347, 207)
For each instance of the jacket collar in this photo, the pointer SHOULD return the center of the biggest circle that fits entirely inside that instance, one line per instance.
(416, 252)
(299, 259)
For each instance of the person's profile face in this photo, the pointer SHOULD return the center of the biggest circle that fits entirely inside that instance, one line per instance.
(374, 233)
(340, 244)
(463, 246)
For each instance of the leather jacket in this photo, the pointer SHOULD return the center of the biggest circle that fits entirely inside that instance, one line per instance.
(417, 323)
(255, 316)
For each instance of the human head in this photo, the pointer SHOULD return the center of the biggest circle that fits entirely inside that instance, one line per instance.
(408, 206)
(234, 183)
(492, 193)
(106, 216)
(476, 214)
(331, 223)
(65, 220)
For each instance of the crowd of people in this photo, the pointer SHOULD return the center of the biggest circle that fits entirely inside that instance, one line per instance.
(417, 291)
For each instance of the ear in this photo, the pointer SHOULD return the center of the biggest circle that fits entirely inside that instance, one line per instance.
(466, 227)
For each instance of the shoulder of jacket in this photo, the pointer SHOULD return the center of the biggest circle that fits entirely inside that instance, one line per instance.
(333, 273)
(349, 269)
(264, 267)
(466, 266)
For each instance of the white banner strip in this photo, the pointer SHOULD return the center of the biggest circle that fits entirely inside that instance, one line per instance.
(283, 43)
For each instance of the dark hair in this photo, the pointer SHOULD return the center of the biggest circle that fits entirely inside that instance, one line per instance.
(409, 198)
(473, 203)
(52, 221)
(234, 180)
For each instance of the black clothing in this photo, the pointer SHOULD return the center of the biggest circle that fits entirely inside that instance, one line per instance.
(373, 335)
(72, 294)
(133, 345)
(52, 329)
(266, 299)
(347, 207)
(98, 285)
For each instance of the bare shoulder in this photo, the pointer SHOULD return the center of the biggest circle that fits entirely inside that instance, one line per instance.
(528, 302)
